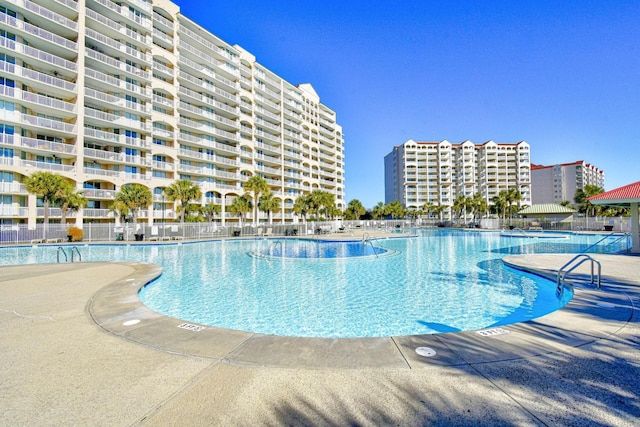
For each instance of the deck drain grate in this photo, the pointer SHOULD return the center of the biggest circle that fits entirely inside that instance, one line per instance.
(190, 327)
(492, 332)
(131, 322)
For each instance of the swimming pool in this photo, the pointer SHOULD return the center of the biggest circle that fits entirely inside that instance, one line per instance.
(441, 281)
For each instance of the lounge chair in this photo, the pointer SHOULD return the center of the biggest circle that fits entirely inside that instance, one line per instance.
(154, 234)
(269, 232)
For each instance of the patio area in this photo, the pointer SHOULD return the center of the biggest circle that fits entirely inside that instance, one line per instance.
(73, 356)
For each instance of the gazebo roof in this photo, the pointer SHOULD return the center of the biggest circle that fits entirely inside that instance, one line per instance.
(545, 209)
(618, 196)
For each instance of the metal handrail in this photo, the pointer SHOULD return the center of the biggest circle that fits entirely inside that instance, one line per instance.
(76, 250)
(562, 273)
(598, 242)
(370, 241)
(61, 249)
(273, 246)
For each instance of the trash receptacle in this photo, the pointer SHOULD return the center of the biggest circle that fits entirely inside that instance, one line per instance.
(236, 233)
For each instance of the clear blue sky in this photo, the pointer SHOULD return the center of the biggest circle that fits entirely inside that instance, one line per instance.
(562, 75)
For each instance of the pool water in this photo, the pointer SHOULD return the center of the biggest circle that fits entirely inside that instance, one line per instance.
(314, 249)
(440, 281)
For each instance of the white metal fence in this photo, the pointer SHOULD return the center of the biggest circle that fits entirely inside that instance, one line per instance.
(93, 232)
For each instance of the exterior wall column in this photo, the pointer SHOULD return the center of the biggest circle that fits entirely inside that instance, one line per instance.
(635, 228)
(32, 219)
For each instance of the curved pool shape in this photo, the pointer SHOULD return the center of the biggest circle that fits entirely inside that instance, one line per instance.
(324, 249)
(441, 281)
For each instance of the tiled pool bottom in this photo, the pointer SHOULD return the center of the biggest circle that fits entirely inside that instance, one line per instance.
(590, 316)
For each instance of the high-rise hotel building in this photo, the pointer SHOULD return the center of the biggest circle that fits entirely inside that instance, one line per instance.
(108, 93)
(439, 172)
(558, 183)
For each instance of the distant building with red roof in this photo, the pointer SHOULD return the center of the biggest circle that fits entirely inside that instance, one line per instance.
(556, 183)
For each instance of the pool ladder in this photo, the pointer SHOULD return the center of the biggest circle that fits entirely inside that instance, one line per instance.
(74, 250)
(574, 263)
(625, 236)
(366, 239)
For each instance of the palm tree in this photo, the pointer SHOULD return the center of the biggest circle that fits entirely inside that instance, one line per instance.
(134, 197)
(302, 206)
(183, 191)
(581, 197)
(210, 210)
(240, 206)
(478, 206)
(354, 210)
(120, 209)
(513, 196)
(46, 186)
(428, 208)
(379, 211)
(321, 201)
(500, 204)
(461, 205)
(439, 209)
(394, 209)
(69, 200)
(256, 185)
(268, 203)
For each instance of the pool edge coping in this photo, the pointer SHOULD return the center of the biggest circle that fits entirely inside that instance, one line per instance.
(117, 303)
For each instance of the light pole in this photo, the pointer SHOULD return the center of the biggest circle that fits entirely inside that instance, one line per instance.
(163, 195)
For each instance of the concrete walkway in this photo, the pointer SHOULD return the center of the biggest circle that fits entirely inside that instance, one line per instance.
(78, 348)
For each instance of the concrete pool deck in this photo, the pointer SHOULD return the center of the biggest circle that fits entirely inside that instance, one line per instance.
(79, 348)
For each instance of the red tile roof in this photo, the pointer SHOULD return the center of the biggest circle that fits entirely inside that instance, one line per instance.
(626, 194)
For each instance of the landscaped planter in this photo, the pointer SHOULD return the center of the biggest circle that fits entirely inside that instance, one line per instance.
(139, 237)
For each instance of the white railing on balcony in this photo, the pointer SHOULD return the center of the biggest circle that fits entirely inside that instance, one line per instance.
(46, 101)
(13, 188)
(106, 59)
(98, 213)
(47, 123)
(41, 144)
(40, 55)
(38, 32)
(46, 166)
(94, 193)
(13, 211)
(48, 14)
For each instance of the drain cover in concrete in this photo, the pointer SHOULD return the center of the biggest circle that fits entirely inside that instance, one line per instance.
(426, 351)
(131, 322)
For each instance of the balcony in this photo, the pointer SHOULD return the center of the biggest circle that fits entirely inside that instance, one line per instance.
(57, 127)
(38, 57)
(93, 193)
(117, 65)
(46, 146)
(46, 104)
(13, 211)
(13, 188)
(46, 166)
(62, 24)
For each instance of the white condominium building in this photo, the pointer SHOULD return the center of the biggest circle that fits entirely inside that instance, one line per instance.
(439, 172)
(108, 93)
(557, 183)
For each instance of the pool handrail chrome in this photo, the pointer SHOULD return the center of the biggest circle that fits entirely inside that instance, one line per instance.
(574, 263)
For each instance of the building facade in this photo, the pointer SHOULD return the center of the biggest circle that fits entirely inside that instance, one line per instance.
(107, 94)
(438, 172)
(558, 183)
